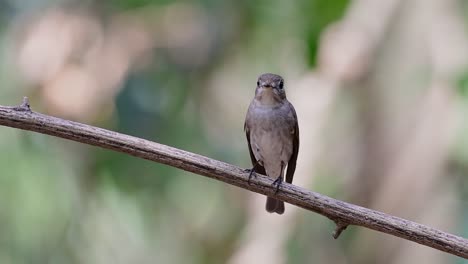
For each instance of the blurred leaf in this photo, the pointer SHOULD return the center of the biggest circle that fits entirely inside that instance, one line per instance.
(318, 15)
(130, 4)
(463, 85)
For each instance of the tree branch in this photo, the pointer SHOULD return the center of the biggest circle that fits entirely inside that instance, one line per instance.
(342, 213)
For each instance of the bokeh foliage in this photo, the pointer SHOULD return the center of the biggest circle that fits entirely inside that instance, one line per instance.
(177, 63)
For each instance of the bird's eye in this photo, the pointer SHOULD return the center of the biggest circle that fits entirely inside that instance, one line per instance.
(281, 84)
(258, 83)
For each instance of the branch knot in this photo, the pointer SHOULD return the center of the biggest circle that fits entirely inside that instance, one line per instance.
(24, 106)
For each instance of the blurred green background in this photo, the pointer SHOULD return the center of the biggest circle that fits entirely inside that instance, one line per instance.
(380, 88)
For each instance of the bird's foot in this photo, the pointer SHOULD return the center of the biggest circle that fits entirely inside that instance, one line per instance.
(251, 173)
(278, 183)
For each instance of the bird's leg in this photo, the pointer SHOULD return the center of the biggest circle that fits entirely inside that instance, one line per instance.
(279, 180)
(252, 171)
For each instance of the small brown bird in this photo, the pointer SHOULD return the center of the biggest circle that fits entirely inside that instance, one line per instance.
(272, 134)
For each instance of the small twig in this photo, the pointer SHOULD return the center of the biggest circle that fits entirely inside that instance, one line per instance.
(24, 106)
(340, 227)
(349, 214)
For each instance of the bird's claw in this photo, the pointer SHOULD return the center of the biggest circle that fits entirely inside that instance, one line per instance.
(278, 183)
(251, 174)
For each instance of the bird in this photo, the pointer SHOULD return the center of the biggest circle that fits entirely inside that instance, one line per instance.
(272, 132)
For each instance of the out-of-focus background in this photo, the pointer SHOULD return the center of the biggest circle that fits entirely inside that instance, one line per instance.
(380, 88)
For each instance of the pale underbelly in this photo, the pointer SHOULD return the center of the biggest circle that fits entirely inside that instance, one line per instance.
(273, 149)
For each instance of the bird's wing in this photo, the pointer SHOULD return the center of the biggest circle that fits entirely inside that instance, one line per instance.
(292, 161)
(259, 168)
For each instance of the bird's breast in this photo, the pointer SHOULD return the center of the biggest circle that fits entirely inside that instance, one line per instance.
(270, 135)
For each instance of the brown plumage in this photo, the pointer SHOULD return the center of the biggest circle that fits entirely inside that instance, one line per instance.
(272, 134)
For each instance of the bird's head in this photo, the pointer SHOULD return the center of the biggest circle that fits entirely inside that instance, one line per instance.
(270, 89)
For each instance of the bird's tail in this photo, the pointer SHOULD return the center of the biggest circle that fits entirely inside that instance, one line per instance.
(274, 206)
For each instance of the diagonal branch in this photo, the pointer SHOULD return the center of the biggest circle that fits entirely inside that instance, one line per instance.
(342, 213)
